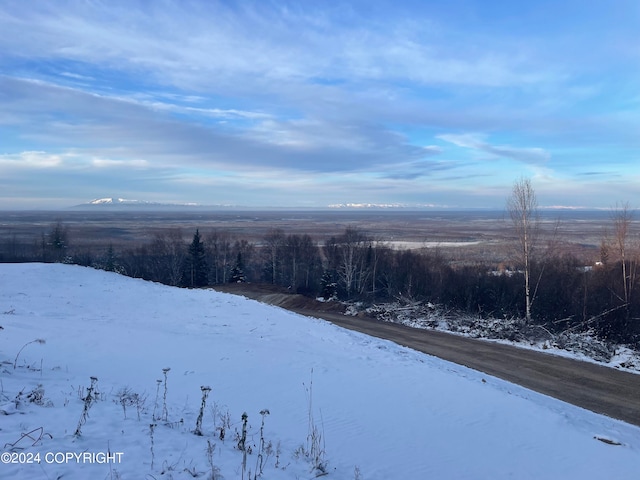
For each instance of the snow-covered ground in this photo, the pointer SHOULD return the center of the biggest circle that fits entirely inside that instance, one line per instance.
(383, 411)
(407, 245)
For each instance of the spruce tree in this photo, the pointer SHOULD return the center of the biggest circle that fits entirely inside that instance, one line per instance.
(237, 273)
(110, 260)
(196, 267)
(329, 286)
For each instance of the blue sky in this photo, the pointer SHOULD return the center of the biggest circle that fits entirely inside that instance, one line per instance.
(308, 104)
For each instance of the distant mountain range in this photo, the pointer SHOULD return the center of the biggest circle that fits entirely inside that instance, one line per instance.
(116, 201)
(111, 203)
(124, 203)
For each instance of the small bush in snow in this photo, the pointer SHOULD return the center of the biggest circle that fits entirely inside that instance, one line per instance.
(127, 398)
(223, 418)
(36, 396)
(215, 471)
(586, 344)
(429, 316)
(89, 399)
(315, 450)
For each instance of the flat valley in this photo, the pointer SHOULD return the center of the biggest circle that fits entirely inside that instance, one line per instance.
(459, 236)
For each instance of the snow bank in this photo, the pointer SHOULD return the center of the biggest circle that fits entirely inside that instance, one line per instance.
(383, 410)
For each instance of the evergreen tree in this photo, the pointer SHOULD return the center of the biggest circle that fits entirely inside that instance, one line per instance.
(110, 260)
(57, 242)
(237, 273)
(196, 264)
(329, 286)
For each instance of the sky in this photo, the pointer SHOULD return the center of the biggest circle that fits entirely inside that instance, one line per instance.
(440, 104)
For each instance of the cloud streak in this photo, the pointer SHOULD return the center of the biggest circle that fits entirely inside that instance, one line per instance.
(137, 129)
(528, 155)
(221, 43)
(309, 103)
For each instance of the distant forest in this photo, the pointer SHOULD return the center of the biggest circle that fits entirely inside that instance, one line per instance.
(566, 295)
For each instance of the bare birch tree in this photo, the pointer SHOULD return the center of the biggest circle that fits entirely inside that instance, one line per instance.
(347, 255)
(274, 242)
(169, 253)
(220, 255)
(622, 216)
(522, 206)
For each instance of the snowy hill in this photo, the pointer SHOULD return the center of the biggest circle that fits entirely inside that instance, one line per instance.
(383, 411)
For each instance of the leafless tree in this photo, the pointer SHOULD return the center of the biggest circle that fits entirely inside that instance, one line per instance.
(220, 254)
(522, 206)
(300, 257)
(293, 257)
(169, 251)
(311, 263)
(274, 241)
(351, 268)
(622, 217)
(376, 251)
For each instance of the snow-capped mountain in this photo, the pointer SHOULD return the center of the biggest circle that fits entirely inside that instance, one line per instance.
(117, 203)
(112, 201)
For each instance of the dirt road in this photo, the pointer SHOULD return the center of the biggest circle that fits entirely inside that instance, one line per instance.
(599, 389)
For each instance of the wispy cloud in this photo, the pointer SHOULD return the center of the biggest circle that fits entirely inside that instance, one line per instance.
(530, 155)
(335, 98)
(135, 128)
(213, 45)
(30, 160)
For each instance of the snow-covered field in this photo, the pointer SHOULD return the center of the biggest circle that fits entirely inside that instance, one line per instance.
(383, 411)
(406, 245)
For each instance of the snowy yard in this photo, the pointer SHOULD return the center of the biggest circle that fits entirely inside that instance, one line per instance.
(382, 411)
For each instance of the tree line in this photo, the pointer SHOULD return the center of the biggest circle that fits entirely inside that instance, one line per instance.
(560, 294)
(543, 286)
